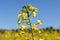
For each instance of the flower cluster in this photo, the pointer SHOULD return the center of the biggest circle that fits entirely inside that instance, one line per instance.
(28, 10)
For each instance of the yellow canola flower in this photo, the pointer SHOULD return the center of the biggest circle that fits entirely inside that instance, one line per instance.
(19, 15)
(22, 32)
(16, 35)
(19, 22)
(28, 23)
(39, 31)
(34, 14)
(32, 8)
(23, 27)
(24, 15)
(36, 10)
(34, 27)
(39, 22)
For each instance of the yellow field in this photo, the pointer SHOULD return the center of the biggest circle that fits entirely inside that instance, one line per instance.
(26, 35)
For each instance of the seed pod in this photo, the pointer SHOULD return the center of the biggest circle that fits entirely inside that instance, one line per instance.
(19, 22)
(28, 23)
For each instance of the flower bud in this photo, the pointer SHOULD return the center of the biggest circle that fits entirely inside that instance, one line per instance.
(34, 14)
(28, 23)
(39, 22)
(24, 15)
(19, 15)
(19, 22)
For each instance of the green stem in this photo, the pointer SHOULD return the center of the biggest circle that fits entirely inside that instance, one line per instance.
(31, 28)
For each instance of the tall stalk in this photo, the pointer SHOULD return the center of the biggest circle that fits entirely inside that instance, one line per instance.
(27, 11)
(31, 28)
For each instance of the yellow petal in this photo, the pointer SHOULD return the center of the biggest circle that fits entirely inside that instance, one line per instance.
(39, 31)
(36, 10)
(34, 27)
(34, 14)
(19, 22)
(19, 15)
(39, 22)
(32, 8)
(24, 15)
(28, 23)
(23, 27)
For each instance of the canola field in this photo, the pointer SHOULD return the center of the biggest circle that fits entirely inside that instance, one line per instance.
(26, 35)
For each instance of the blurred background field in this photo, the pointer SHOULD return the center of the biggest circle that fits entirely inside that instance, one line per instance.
(41, 34)
(48, 12)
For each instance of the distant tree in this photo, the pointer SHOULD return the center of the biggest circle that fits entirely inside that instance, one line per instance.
(2, 31)
(51, 27)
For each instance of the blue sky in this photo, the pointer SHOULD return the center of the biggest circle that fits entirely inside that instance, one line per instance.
(48, 12)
